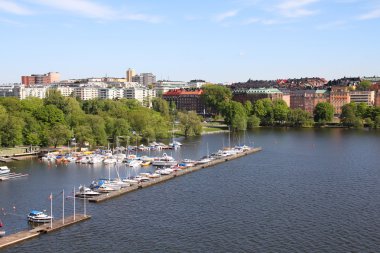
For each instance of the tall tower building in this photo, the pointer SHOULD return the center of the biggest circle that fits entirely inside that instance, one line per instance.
(130, 73)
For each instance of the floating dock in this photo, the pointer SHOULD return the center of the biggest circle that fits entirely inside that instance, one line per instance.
(161, 179)
(9, 240)
(8, 176)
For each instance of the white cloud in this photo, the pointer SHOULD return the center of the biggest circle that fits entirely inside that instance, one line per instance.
(296, 8)
(91, 9)
(251, 21)
(14, 8)
(371, 15)
(222, 16)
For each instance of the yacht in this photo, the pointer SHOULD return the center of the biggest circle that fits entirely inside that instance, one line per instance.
(130, 181)
(105, 189)
(165, 160)
(4, 170)
(39, 217)
(95, 160)
(86, 192)
(110, 161)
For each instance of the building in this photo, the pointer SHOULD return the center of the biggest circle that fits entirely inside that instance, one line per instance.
(339, 96)
(111, 93)
(186, 99)
(243, 95)
(23, 92)
(66, 91)
(367, 97)
(51, 77)
(130, 73)
(307, 99)
(377, 98)
(196, 83)
(144, 79)
(7, 90)
(86, 93)
(142, 94)
(163, 86)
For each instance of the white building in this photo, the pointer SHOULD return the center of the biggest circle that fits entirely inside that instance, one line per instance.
(111, 93)
(66, 91)
(7, 90)
(142, 94)
(86, 93)
(367, 97)
(23, 92)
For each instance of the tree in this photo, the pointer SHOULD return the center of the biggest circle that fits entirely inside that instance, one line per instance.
(54, 97)
(248, 107)
(280, 111)
(323, 112)
(364, 85)
(50, 114)
(299, 118)
(12, 131)
(348, 115)
(190, 123)
(59, 134)
(234, 115)
(215, 95)
(160, 105)
(253, 121)
(263, 108)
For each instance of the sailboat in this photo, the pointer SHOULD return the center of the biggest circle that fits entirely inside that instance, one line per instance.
(205, 159)
(174, 144)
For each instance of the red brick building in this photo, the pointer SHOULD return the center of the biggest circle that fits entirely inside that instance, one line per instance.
(186, 100)
(307, 99)
(339, 96)
(243, 95)
(51, 77)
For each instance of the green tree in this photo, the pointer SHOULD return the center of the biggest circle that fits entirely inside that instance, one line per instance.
(364, 85)
(54, 97)
(299, 118)
(50, 114)
(215, 95)
(280, 111)
(190, 123)
(348, 115)
(59, 134)
(234, 115)
(160, 105)
(12, 131)
(323, 112)
(253, 121)
(248, 107)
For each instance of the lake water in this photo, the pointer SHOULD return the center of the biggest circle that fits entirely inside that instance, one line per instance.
(309, 190)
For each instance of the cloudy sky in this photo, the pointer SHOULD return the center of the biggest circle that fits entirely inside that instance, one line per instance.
(216, 40)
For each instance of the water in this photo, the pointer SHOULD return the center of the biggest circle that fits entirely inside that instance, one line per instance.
(309, 190)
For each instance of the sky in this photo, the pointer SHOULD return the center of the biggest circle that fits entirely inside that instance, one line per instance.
(214, 40)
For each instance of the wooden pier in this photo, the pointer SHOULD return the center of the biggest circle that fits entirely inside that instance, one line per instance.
(161, 179)
(43, 229)
(11, 176)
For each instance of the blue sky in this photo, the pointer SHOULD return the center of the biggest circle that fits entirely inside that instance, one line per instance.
(216, 40)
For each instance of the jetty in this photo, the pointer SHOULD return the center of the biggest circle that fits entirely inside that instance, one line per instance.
(12, 239)
(8, 176)
(164, 178)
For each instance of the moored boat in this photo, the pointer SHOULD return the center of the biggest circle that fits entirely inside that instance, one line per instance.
(4, 170)
(39, 217)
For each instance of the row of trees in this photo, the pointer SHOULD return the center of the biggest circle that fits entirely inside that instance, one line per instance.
(56, 119)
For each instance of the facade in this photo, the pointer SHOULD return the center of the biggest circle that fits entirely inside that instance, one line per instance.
(111, 93)
(186, 100)
(377, 98)
(339, 96)
(307, 99)
(66, 91)
(144, 79)
(7, 90)
(164, 86)
(196, 83)
(243, 95)
(142, 94)
(367, 97)
(86, 93)
(51, 77)
(23, 92)
(130, 73)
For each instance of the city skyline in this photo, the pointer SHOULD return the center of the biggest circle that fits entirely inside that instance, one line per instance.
(219, 41)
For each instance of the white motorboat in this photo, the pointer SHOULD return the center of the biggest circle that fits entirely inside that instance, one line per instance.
(130, 181)
(85, 160)
(39, 217)
(204, 160)
(86, 192)
(110, 161)
(135, 163)
(95, 160)
(154, 175)
(105, 189)
(165, 160)
(142, 179)
(4, 170)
